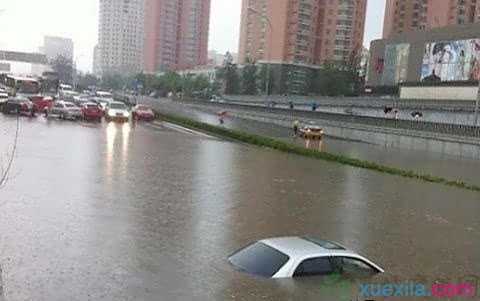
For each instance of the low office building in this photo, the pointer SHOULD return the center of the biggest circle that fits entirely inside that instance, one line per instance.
(447, 54)
(23, 63)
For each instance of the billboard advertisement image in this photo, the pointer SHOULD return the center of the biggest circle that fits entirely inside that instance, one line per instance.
(396, 64)
(451, 61)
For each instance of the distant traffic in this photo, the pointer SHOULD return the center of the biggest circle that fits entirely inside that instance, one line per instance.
(32, 97)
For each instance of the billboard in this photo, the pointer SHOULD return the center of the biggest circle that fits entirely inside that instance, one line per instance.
(395, 64)
(451, 61)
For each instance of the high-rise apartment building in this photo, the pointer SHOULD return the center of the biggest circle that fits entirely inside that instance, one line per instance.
(411, 15)
(176, 34)
(57, 46)
(301, 31)
(121, 36)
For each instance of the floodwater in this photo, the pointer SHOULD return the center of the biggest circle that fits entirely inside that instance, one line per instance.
(451, 160)
(123, 212)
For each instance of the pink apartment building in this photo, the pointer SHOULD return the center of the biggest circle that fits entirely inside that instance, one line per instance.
(176, 34)
(411, 15)
(301, 31)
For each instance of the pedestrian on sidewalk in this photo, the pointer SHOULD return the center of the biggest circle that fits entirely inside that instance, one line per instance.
(296, 125)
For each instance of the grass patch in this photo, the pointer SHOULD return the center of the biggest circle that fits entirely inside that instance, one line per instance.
(295, 149)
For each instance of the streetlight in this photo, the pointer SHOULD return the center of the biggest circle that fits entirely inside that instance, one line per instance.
(477, 104)
(268, 58)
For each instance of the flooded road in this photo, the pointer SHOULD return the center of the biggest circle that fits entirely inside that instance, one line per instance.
(123, 212)
(450, 160)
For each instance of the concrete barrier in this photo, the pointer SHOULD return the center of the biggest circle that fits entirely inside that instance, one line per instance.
(432, 127)
(439, 93)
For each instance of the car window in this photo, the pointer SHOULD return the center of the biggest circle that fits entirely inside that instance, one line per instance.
(92, 106)
(314, 266)
(58, 105)
(69, 105)
(259, 259)
(118, 106)
(352, 266)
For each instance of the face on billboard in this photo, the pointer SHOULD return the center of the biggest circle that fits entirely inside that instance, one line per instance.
(452, 60)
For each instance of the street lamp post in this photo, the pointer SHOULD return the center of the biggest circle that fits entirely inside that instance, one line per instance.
(268, 58)
(477, 104)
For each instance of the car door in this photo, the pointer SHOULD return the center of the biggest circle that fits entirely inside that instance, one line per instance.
(57, 109)
(314, 267)
(353, 267)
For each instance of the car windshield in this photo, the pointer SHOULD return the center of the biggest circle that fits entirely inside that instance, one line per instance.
(69, 105)
(143, 108)
(118, 106)
(20, 100)
(259, 259)
(92, 106)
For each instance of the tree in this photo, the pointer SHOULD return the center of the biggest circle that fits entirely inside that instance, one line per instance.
(264, 70)
(231, 80)
(334, 80)
(171, 81)
(201, 83)
(64, 67)
(86, 80)
(249, 78)
(113, 81)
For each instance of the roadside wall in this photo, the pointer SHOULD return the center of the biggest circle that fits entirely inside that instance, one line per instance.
(443, 93)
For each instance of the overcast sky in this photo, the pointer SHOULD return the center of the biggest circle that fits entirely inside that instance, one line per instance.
(23, 23)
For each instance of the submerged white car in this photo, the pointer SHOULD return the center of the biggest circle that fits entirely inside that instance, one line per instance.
(286, 257)
(117, 111)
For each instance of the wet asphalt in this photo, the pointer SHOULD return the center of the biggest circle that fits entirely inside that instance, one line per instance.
(146, 212)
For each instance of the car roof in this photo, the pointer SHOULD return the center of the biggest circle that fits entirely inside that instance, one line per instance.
(295, 246)
(65, 102)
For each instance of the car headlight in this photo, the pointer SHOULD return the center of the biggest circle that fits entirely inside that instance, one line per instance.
(126, 114)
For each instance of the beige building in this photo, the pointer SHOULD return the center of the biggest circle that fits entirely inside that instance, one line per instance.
(301, 31)
(121, 36)
(412, 15)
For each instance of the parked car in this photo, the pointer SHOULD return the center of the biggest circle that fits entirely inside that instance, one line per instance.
(64, 110)
(117, 111)
(19, 105)
(80, 100)
(92, 111)
(3, 98)
(103, 103)
(142, 112)
(286, 257)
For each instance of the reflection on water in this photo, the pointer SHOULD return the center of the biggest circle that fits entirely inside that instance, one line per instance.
(125, 139)
(117, 146)
(316, 144)
(182, 204)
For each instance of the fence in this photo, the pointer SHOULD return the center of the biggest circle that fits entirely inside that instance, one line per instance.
(432, 127)
(360, 102)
